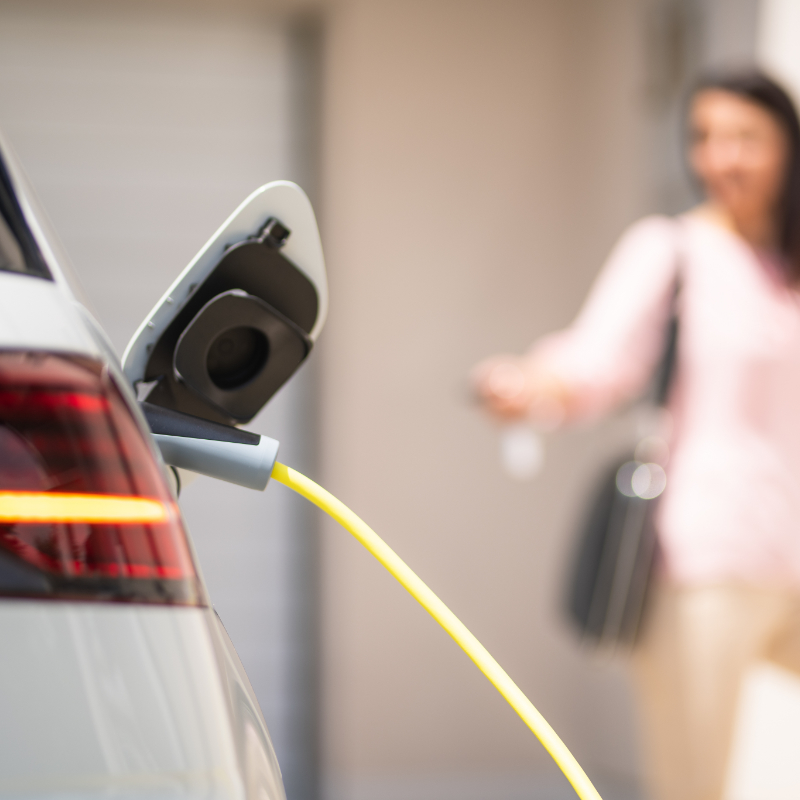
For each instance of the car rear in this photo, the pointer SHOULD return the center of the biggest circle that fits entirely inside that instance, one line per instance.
(116, 677)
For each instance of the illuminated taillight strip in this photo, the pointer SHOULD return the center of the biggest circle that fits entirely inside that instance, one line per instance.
(87, 508)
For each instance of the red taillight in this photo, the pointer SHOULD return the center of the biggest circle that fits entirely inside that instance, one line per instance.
(81, 498)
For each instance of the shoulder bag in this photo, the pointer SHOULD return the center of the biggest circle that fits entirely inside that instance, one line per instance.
(611, 569)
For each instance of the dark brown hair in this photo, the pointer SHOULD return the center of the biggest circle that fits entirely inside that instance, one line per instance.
(759, 88)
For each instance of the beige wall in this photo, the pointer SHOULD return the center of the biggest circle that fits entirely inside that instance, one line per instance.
(480, 159)
(137, 124)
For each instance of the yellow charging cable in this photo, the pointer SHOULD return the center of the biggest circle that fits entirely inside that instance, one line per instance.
(447, 619)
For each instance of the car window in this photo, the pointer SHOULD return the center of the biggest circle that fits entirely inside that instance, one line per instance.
(11, 258)
(18, 249)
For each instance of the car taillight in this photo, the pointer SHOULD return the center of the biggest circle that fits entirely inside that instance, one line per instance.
(84, 509)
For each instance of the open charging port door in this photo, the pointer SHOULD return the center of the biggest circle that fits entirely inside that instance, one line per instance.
(235, 325)
(241, 318)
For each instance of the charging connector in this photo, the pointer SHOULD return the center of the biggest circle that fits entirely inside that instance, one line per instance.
(219, 451)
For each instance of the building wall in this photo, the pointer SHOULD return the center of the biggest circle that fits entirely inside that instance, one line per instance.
(480, 158)
(142, 126)
(778, 29)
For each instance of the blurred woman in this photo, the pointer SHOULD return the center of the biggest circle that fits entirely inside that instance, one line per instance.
(727, 589)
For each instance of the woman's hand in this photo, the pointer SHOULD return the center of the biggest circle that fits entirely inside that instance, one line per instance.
(512, 387)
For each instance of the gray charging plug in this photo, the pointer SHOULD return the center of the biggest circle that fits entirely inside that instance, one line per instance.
(219, 451)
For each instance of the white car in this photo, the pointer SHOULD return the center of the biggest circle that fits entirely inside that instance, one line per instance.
(117, 678)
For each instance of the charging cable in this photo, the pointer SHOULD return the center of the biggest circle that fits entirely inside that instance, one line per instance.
(237, 456)
(447, 619)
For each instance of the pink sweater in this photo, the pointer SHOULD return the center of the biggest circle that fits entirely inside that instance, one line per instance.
(731, 509)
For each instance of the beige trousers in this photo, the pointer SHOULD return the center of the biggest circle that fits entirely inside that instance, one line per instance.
(695, 648)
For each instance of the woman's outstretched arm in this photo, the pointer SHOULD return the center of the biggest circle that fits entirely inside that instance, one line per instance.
(612, 348)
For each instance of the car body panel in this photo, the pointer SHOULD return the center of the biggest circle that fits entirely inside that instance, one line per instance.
(37, 314)
(124, 700)
(115, 699)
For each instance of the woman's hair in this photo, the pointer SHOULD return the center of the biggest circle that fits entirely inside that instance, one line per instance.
(755, 86)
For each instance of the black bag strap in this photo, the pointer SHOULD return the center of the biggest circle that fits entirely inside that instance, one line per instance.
(666, 368)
